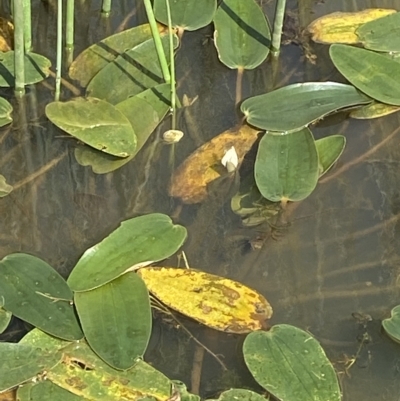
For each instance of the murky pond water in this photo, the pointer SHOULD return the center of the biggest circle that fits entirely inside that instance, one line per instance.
(333, 271)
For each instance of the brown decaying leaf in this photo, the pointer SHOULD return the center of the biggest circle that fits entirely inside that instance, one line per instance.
(340, 27)
(6, 35)
(190, 180)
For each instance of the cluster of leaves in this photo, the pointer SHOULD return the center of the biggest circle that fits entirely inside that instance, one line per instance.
(92, 331)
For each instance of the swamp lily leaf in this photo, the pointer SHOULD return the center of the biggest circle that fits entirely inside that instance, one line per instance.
(5, 189)
(374, 110)
(5, 318)
(341, 27)
(382, 34)
(83, 373)
(203, 166)
(116, 319)
(144, 111)
(188, 15)
(329, 150)
(370, 72)
(241, 35)
(214, 301)
(138, 241)
(45, 390)
(291, 365)
(37, 68)
(5, 112)
(130, 73)
(295, 106)
(286, 167)
(21, 362)
(95, 122)
(33, 291)
(392, 325)
(97, 56)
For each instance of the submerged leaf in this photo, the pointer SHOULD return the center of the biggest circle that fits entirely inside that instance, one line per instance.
(217, 302)
(291, 365)
(95, 122)
(372, 73)
(5, 112)
(286, 167)
(203, 166)
(329, 150)
(116, 319)
(241, 35)
(138, 241)
(5, 189)
(37, 68)
(311, 101)
(341, 27)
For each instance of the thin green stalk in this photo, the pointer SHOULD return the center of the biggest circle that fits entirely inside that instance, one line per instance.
(69, 31)
(106, 8)
(19, 54)
(59, 50)
(278, 24)
(27, 26)
(172, 66)
(157, 41)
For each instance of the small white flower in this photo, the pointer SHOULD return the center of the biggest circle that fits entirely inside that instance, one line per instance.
(230, 159)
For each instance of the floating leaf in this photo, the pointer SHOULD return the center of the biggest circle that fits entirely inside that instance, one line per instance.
(144, 111)
(372, 73)
(186, 14)
(20, 363)
(5, 189)
(374, 110)
(96, 123)
(381, 34)
(291, 365)
(5, 318)
(5, 112)
(97, 56)
(37, 68)
(286, 167)
(116, 319)
(138, 241)
(329, 150)
(81, 372)
(239, 394)
(341, 27)
(35, 292)
(311, 101)
(39, 339)
(217, 302)
(392, 325)
(131, 73)
(203, 166)
(45, 390)
(6, 35)
(241, 35)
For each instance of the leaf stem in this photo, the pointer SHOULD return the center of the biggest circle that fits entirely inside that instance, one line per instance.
(278, 24)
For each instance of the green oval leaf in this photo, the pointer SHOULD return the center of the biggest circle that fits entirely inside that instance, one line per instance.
(35, 292)
(186, 14)
(290, 364)
(5, 112)
(45, 390)
(372, 73)
(96, 123)
(392, 325)
(242, 35)
(145, 111)
(382, 34)
(295, 106)
(116, 319)
(239, 394)
(39, 339)
(37, 68)
(131, 73)
(97, 56)
(286, 166)
(20, 363)
(138, 241)
(5, 318)
(329, 150)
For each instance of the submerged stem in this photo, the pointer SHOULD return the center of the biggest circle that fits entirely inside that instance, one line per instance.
(19, 53)
(278, 24)
(172, 66)
(59, 50)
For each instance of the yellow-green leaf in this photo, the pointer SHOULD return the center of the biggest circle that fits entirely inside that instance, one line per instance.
(341, 27)
(217, 302)
(374, 110)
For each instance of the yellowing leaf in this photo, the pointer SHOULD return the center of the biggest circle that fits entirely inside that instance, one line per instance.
(190, 180)
(217, 302)
(374, 110)
(341, 27)
(6, 35)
